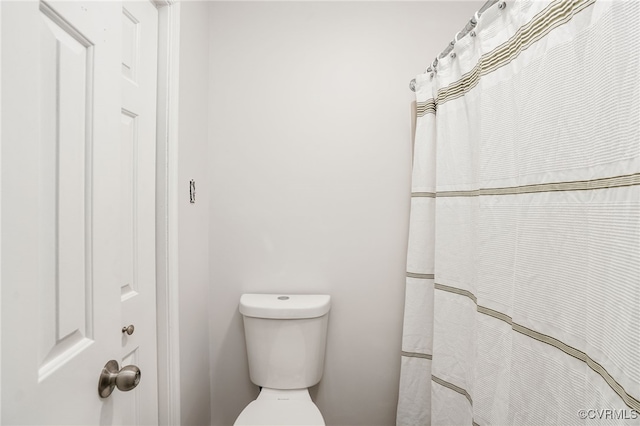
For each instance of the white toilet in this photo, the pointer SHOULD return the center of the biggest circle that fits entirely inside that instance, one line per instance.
(286, 337)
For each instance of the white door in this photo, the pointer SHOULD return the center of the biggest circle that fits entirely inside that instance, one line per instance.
(78, 253)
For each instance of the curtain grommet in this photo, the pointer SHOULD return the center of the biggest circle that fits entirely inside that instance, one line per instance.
(502, 5)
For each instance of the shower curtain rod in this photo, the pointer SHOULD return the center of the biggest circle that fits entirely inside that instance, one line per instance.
(468, 28)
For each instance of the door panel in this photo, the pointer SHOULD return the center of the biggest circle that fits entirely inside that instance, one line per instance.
(66, 327)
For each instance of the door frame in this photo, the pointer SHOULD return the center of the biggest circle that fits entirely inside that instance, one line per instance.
(167, 290)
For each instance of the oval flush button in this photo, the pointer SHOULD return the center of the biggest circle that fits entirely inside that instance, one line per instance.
(283, 297)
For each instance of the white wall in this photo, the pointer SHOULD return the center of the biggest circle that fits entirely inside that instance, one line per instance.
(309, 174)
(194, 218)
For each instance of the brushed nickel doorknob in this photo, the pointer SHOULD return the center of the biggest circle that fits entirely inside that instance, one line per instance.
(124, 379)
(129, 329)
(128, 378)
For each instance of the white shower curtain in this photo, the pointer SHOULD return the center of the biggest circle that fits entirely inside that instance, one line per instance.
(523, 267)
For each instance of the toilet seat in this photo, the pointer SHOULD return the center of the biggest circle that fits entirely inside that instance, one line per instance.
(281, 408)
(280, 413)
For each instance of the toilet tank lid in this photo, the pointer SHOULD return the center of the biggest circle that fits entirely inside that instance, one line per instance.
(284, 306)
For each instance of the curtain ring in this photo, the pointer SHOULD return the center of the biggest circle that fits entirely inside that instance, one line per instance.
(453, 43)
(474, 22)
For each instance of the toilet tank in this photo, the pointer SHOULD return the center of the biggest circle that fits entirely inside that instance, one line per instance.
(286, 336)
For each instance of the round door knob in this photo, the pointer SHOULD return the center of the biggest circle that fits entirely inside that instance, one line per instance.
(125, 379)
(128, 378)
(129, 329)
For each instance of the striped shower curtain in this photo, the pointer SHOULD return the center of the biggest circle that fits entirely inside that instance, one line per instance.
(523, 267)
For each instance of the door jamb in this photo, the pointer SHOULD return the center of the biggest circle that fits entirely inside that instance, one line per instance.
(167, 307)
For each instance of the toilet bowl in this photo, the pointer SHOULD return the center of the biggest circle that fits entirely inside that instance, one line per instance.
(275, 407)
(286, 339)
